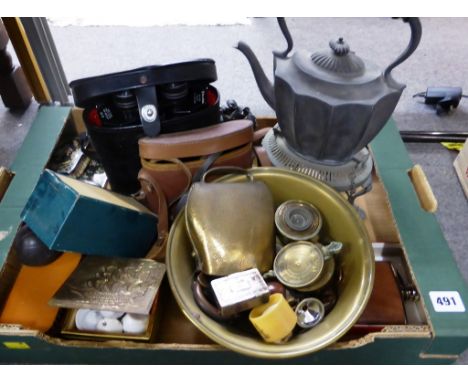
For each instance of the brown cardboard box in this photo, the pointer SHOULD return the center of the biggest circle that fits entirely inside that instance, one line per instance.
(461, 167)
(391, 207)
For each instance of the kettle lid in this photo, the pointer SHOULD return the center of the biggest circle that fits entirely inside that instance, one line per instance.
(340, 59)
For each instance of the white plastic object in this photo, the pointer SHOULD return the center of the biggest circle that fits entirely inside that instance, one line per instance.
(87, 319)
(111, 314)
(109, 325)
(135, 323)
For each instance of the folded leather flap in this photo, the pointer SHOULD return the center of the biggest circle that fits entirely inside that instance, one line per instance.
(198, 142)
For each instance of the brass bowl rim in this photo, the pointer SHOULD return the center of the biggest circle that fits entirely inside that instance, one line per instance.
(298, 350)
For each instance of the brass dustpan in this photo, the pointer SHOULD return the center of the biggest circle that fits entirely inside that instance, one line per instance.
(231, 225)
(340, 222)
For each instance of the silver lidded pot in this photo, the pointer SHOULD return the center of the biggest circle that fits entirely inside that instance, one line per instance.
(330, 104)
(298, 220)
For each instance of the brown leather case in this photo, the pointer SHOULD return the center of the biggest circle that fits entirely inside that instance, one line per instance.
(205, 141)
(174, 180)
(385, 306)
(172, 159)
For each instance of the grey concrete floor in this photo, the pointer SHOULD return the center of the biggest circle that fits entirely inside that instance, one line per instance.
(440, 60)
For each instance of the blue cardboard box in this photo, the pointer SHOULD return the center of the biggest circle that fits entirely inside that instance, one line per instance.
(70, 215)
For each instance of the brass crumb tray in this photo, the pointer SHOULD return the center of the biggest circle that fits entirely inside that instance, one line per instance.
(69, 329)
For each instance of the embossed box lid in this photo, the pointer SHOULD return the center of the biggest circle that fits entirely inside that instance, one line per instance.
(111, 283)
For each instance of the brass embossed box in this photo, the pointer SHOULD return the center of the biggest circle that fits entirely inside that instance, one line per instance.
(111, 284)
(69, 329)
(116, 284)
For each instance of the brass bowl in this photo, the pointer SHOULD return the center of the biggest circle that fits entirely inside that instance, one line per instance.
(340, 222)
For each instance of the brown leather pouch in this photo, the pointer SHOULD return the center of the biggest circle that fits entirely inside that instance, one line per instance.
(151, 194)
(173, 159)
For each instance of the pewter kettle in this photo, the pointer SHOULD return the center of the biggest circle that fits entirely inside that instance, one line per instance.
(330, 104)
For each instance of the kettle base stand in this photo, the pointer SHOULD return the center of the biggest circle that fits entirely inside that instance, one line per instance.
(354, 177)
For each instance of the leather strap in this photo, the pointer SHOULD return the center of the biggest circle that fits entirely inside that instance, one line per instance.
(260, 134)
(199, 142)
(262, 156)
(157, 203)
(185, 170)
(204, 304)
(182, 200)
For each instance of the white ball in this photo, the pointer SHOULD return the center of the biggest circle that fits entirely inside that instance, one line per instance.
(87, 319)
(109, 325)
(135, 323)
(111, 314)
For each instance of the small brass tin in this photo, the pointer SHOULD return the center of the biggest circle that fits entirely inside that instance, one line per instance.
(306, 266)
(325, 277)
(298, 220)
(299, 264)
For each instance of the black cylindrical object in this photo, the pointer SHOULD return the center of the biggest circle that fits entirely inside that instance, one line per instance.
(117, 148)
(434, 136)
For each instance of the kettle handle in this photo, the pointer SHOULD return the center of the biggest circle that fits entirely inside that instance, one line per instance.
(416, 33)
(287, 36)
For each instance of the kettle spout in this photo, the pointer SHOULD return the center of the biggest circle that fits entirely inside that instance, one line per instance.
(263, 83)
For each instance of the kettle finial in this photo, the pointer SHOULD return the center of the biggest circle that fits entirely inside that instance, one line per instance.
(340, 47)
